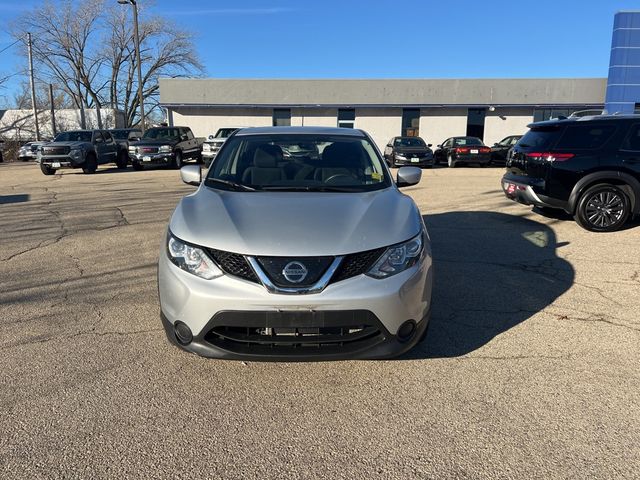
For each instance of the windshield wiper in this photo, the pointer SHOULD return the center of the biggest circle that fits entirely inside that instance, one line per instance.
(311, 188)
(228, 183)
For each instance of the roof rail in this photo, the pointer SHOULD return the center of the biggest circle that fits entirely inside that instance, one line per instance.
(585, 113)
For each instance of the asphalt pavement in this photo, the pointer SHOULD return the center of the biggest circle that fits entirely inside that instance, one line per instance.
(531, 368)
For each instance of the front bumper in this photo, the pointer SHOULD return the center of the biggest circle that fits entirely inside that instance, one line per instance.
(61, 161)
(422, 162)
(151, 158)
(206, 304)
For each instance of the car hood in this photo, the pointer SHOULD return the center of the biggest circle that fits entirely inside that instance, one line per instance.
(295, 223)
(65, 144)
(146, 143)
(419, 150)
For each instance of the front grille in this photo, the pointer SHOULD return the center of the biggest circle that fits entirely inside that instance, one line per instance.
(275, 267)
(356, 264)
(148, 149)
(55, 150)
(234, 264)
(295, 332)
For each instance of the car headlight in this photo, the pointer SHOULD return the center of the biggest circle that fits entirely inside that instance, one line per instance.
(165, 149)
(191, 259)
(132, 149)
(399, 156)
(75, 153)
(398, 258)
(206, 147)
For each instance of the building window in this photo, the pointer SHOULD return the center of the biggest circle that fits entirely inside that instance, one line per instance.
(346, 117)
(475, 122)
(410, 122)
(281, 117)
(542, 114)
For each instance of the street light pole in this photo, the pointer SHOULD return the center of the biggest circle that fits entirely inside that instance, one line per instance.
(134, 4)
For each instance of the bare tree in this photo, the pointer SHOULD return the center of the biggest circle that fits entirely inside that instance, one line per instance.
(166, 51)
(87, 48)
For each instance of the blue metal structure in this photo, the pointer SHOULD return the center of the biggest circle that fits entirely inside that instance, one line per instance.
(623, 85)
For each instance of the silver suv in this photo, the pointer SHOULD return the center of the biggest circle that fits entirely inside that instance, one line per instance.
(279, 256)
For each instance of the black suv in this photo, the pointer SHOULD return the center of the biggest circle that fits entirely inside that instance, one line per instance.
(588, 167)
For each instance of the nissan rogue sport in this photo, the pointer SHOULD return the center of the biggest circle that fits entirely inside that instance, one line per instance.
(587, 166)
(293, 257)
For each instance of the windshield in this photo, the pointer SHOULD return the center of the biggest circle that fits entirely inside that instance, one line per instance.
(298, 162)
(120, 134)
(162, 133)
(225, 132)
(467, 141)
(409, 142)
(78, 136)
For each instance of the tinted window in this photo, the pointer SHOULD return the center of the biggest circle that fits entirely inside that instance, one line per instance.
(120, 134)
(585, 136)
(409, 142)
(77, 136)
(161, 133)
(542, 137)
(468, 141)
(632, 141)
(298, 163)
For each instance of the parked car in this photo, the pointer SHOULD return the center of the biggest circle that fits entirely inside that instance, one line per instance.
(499, 150)
(170, 146)
(29, 151)
(279, 258)
(84, 149)
(408, 151)
(126, 135)
(587, 166)
(455, 151)
(213, 143)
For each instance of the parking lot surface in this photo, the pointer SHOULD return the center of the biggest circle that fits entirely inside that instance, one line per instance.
(530, 369)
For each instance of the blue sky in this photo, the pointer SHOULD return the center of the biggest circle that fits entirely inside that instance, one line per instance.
(384, 39)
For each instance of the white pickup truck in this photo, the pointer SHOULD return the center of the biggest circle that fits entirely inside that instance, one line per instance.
(212, 144)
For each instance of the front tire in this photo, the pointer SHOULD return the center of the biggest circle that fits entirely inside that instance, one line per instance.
(90, 164)
(450, 162)
(47, 170)
(138, 167)
(177, 163)
(121, 161)
(603, 208)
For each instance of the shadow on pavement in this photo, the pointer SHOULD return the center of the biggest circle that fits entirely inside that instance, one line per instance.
(492, 271)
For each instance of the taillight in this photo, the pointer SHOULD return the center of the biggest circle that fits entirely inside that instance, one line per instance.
(462, 150)
(550, 156)
(485, 149)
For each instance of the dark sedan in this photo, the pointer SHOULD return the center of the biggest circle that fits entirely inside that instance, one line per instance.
(463, 150)
(499, 150)
(408, 151)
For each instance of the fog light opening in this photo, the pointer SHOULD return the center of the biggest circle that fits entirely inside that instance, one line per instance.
(406, 331)
(183, 333)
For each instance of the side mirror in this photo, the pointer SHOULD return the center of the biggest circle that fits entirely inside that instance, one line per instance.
(191, 175)
(183, 137)
(389, 145)
(438, 146)
(430, 145)
(134, 139)
(408, 176)
(496, 144)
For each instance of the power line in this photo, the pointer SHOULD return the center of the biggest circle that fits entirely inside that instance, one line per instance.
(9, 46)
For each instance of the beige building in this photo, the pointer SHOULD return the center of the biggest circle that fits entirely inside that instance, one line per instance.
(432, 109)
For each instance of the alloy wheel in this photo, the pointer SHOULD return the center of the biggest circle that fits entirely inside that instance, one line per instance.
(605, 208)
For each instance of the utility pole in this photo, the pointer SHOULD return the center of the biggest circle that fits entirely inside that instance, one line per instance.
(33, 89)
(136, 37)
(53, 111)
